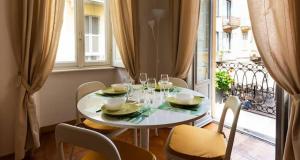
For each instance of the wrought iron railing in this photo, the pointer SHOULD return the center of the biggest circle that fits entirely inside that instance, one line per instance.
(254, 86)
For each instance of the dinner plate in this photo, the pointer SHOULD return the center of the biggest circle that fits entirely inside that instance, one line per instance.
(127, 108)
(196, 101)
(111, 91)
(157, 88)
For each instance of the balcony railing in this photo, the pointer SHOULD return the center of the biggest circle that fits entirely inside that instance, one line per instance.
(253, 85)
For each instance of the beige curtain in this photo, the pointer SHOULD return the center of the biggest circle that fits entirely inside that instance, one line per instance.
(185, 19)
(125, 31)
(39, 28)
(276, 28)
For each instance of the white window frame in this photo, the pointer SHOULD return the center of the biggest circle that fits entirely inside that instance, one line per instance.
(116, 62)
(80, 38)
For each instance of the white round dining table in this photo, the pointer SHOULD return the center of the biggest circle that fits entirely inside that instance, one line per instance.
(91, 103)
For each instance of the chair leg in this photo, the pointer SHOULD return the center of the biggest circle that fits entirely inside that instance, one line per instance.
(156, 131)
(135, 137)
(116, 133)
(144, 138)
(71, 153)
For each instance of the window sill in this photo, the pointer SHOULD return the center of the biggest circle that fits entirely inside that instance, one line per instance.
(79, 69)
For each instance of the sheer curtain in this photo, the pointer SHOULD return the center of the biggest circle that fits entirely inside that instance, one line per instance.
(276, 28)
(36, 40)
(125, 31)
(185, 19)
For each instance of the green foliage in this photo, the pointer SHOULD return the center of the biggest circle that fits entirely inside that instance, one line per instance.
(223, 81)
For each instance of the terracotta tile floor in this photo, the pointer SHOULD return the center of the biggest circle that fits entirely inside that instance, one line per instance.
(245, 147)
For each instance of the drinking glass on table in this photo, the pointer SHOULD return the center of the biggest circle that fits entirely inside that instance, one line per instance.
(143, 79)
(128, 82)
(164, 80)
(151, 85)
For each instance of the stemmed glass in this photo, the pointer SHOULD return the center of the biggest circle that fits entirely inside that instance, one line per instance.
(143, 79)
(128, 82)
(164, 80)
(151, 85)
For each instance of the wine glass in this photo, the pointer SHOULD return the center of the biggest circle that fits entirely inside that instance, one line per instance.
(143, 78)
(151, 85)
(128, 82)
(164, 79)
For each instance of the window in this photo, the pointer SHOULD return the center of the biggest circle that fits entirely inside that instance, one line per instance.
(225, 8)
(228, 8)
(84, 39)
(91, 37)
(66, 48)
(226, 41)
(217, 8)
(94, 31)
(245, 35)
(218, 41)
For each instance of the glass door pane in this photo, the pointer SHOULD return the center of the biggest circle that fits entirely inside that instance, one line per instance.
(203, 52)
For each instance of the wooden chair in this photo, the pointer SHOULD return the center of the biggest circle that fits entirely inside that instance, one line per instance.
(100, 147)
(82, 91)
(178, 82)
(192, 143)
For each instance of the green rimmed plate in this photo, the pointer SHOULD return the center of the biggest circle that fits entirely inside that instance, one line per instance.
(126, 109)
(111, 91)
(196, 101)
(157, 88)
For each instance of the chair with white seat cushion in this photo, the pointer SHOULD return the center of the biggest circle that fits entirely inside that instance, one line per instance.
(100, 147)
(186, 142)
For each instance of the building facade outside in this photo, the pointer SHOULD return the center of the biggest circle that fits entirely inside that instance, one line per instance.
(234, 39)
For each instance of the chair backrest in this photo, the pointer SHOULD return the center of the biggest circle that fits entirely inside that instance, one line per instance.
(65, 133)
(234, 104)
(85, 89)
(178, 82)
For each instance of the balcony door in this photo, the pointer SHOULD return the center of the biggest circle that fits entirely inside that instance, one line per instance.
(203, 53)
(201, 72)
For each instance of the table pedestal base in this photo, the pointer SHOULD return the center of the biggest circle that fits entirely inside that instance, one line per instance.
(135, 137)
(144, 138)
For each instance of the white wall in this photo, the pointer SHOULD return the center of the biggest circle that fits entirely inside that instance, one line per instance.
(57, 97)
